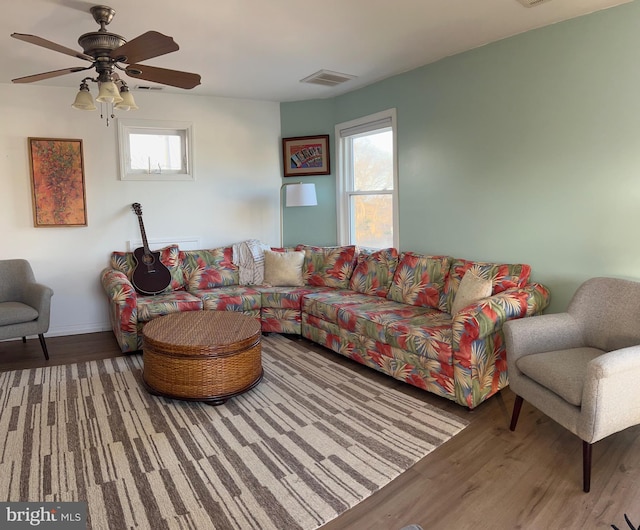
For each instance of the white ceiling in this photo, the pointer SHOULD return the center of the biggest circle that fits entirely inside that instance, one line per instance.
(260, 49)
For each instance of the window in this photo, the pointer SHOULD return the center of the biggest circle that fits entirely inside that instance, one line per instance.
(155, 150)
(367, 181)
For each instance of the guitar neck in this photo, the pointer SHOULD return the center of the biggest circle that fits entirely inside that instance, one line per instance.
(145, 244)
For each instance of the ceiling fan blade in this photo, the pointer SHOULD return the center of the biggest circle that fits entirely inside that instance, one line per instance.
(146, 46)
(47, 75)
(163, 76)
(39, 41)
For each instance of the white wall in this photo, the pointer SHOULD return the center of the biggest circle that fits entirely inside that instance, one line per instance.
(235, 195)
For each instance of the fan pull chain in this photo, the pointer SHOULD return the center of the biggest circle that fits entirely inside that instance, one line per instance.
(109, 115)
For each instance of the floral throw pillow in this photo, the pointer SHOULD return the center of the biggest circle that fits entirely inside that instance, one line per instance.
(328, 266)
(419, 280)
(207, 269)
(374, 271)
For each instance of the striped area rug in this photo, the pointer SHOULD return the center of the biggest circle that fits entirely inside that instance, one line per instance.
(313, 439)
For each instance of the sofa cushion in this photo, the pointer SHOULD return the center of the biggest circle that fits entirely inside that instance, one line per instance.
(374, 271)
(150, 307)
(503, 276)
(206, 269)
(328, 266)
(169, 256)
(371, 319)
(283, 268)
(325, 305)
(472, 288)
(428, 334)
(284, 297)
(231, 298)
(419, 280)
(281, 307)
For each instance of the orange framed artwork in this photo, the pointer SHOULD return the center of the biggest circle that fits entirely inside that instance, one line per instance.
(57, 182)
(306, 155)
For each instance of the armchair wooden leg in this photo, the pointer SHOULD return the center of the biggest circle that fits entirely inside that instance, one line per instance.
(586, 466)
(517, 405)
(44, 346)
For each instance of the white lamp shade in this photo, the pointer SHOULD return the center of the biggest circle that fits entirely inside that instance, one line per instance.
(127, 102)
(109, 93)
(301, 194)
(84, 101)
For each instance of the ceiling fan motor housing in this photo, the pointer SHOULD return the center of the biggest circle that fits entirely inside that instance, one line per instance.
(99, 44)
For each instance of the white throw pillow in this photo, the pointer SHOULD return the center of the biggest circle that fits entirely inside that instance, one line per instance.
(283, 268)
(471, 289)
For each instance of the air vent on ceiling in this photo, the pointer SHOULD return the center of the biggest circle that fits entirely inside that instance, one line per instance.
(532, 3)
(327, 78)
(147, 87)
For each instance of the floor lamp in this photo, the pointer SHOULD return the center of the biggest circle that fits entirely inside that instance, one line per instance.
(297, 194)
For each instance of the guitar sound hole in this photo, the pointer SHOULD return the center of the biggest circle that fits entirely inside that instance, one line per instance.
(147, 259)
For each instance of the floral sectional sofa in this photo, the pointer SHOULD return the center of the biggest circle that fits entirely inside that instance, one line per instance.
(388, 310)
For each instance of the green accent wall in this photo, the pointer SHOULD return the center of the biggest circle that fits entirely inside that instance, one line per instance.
(525, 150)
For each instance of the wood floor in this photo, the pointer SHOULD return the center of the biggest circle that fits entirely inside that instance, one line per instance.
(486, 477)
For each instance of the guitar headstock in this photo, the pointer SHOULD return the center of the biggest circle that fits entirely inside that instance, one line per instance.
(137, 209)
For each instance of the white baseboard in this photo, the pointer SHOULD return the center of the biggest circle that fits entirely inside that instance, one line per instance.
(60, 331)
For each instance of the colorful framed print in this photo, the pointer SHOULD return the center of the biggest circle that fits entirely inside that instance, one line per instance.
(57, 182)
(306, 155)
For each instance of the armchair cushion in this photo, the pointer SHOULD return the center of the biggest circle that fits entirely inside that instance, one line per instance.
(563, 372)
(16, 313)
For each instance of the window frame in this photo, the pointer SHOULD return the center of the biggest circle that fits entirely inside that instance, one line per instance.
(182, 129)
(344, 177)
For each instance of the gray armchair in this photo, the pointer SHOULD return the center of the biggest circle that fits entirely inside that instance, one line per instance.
(581, 368)
(24, 304)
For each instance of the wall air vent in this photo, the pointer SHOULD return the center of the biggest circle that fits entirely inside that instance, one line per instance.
(147, 87)
(532, 3)
(327, 78)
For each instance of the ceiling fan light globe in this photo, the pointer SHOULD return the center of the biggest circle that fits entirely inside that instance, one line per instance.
(108, 93)
(127, 102)
(83, 101)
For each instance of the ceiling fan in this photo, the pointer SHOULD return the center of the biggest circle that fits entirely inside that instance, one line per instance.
(107, 51)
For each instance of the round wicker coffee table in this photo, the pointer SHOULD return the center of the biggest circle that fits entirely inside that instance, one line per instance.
(207, 356)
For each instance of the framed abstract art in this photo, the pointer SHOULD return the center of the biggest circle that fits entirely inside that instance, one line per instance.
(57, 182)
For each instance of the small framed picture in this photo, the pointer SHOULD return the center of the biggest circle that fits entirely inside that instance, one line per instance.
(57, 182)
(306, 155)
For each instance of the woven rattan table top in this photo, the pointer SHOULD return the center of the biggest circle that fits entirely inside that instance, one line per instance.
(212, 332)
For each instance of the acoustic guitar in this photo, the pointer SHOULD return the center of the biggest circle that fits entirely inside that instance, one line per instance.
(150, 275)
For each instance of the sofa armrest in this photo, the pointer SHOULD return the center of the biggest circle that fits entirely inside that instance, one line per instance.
(488, 315)
(479, 355)
(123, 308)
(117, 286)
